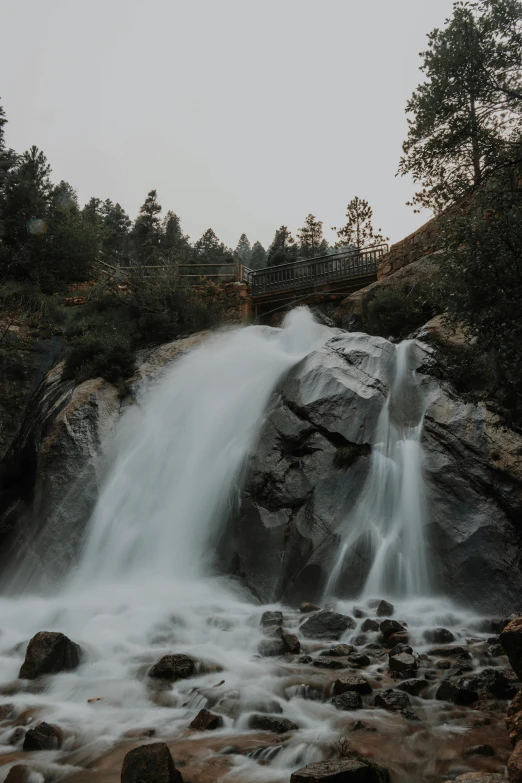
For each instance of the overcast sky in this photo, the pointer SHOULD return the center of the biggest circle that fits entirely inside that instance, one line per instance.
(243, 115)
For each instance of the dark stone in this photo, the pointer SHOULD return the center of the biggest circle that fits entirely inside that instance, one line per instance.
(305, 659)
(269, 648)
(43, 737)
(457, 692)
(494, 682)
(511, 641)
(18, 774)
(396, 639)
(439, 636)
(384, 609)
(173, 667)
(5, 711)
(360, 640)
(271, 723)
(413, 687)
(150, 764)
(350, 700)
(358, 613)
(480, 750)
(327, 625)
(274, 631)
(352, 682)
(358, 659)
(206, 721)
(402, 662)
(291, 643)
(339, 650)
(496, 650)
(457, 652)
(328, 663)
(271, 618)
(17, 736)
(389, 627)
(369, 625)
(306, 608)
(341, 770)
(400, 648)
(49, 653)
(390, 699)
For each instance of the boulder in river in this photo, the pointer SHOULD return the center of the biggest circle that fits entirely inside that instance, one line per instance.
(324, 662)
(150, 764)
(402, 662)
(439, 636)
(384, 609)
(350, 700)
(457, 652)
(206, 721)
(271, 618)
(494, 682)
(393, 700)
(359, 660)
(49, 652)
(270, 648)
(339, 650)
(43, 737)
(514, 719)
(271, 723)
(341, 770)
(389, 627)
(514, 765)
(306, 608)
(173, 667)
(414, 687)
(327, 625)
(352, 682)
(511, 641)
(369, 625)
(291, 643)
(457, 692)
(20, 773)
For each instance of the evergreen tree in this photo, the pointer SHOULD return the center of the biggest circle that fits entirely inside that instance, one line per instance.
(175, 244)
(147, 232)
(258, 257)
(311, 240)
(358, 231)
(466, 113)
(116, 233)
(283, 249)
(243, 251)
(209, 250)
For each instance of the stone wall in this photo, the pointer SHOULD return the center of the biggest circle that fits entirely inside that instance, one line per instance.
(234, 298)
(417, 245)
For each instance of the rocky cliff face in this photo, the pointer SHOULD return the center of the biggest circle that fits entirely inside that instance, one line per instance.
(311, 461)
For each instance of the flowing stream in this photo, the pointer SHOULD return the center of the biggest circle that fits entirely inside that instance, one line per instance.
(144, 586)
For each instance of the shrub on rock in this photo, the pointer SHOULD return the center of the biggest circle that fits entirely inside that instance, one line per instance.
(150, 764)
(49, 652)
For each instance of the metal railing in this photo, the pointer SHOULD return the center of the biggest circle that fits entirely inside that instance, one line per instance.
(316, 271)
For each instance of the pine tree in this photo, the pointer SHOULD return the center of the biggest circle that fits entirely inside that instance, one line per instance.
(116, 233)
(243, 251)
(311, 240)
(209, 250)
(175, 244)
(467, 111)
(283, 249)
(358, 231)
(147, 231)
(258, 257)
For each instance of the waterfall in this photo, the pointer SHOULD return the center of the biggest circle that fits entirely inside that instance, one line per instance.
(386, 527)
(178, 459)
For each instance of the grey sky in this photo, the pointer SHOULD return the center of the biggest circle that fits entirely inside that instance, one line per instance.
(243, 115)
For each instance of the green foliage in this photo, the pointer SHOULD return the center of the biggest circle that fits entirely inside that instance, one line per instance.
(311, 240)
(481, 288)
(258, 257)
(210, 250)
(243, 251)
(283, 249)
(467, 112)
(358, 231)
(396, 311)
(147, 231)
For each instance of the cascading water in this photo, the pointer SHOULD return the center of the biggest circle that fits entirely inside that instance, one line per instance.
(386, 528)
(143, 588)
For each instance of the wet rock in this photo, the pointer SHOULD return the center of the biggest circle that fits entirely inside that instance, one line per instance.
(384, 609)
(389, 627)
(150, 764)
(439, 636)
(139, 733)
(358, 660)
(269, 648)
(305, 659)
(341, 770)
(496, 650)
(6, 711)
(271, 723)
(400, 648)
(360, 640)
(173, 667)
(514, 719)
(328, 663)
(350, 700)
(514, 765)
(306, 608)
(374, 648)
(358, 613)
(414, 687)
(403, 662)
(274, 631)
(43, 737)
(479, 777)
(457, 652)
(369, 625)
(351, 682)
(360, 726)
(49, 652)
(327, 625)
(17, 736)
(18, 774)
(271, 618)
(339, 650)
(396, 639)
(495, 682)
(206, 721)
(511, 641)
(480, 750)
(393, 700)
(456, 692)
(291, 643)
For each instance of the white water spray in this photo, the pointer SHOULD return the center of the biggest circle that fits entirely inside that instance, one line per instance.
(387, 526)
